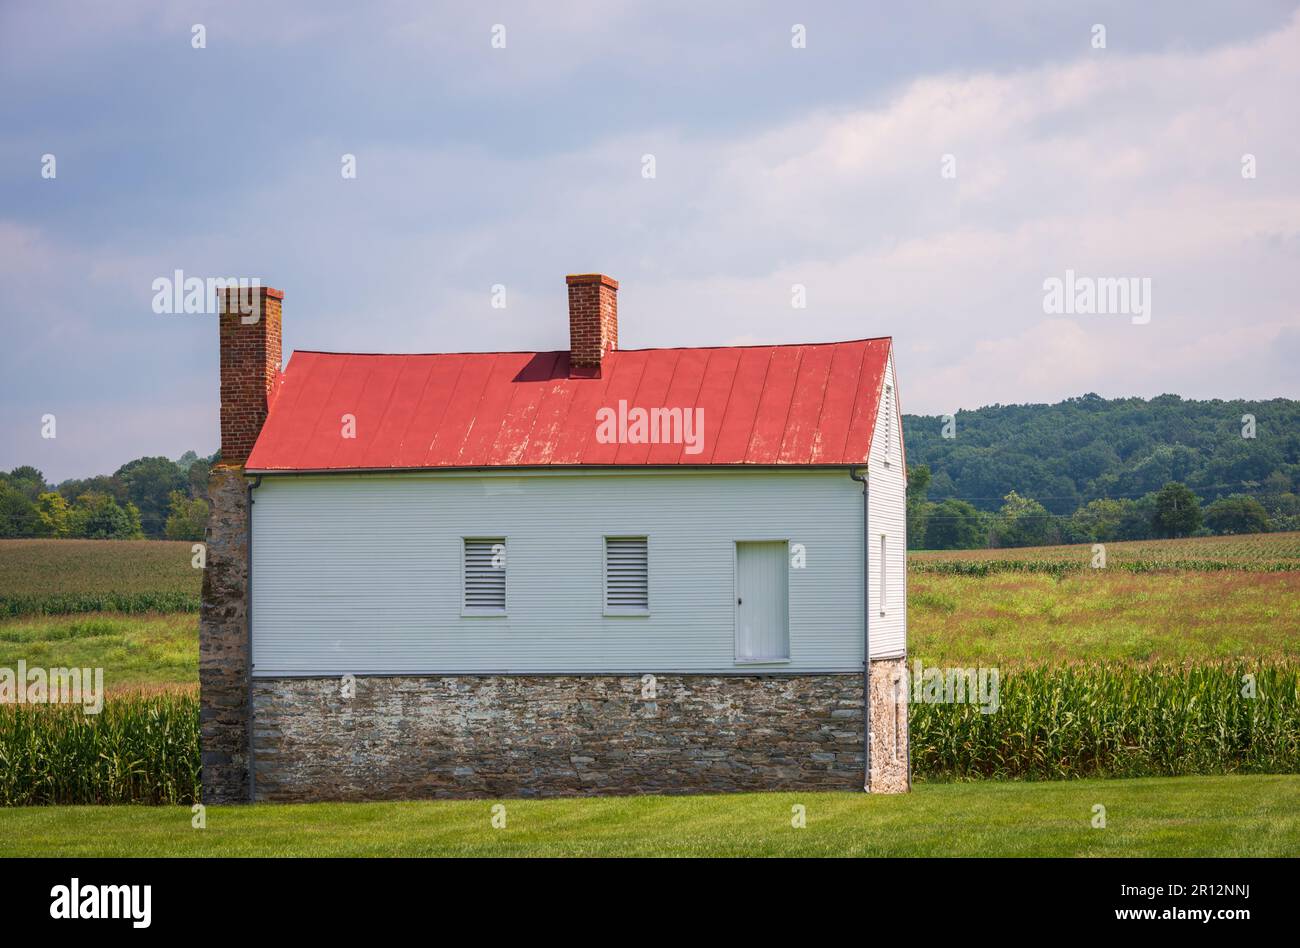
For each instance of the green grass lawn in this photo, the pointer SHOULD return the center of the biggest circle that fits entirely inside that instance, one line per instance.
(1182, 816)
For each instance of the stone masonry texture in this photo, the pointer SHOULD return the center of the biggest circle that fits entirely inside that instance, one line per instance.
(541, 736)
(223, 642)
(889, 747)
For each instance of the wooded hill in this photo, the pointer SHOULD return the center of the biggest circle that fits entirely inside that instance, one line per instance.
(1092, 469)
(1081, 449)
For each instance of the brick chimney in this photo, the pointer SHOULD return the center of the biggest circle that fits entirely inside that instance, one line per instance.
(593, 321)
(250, 366)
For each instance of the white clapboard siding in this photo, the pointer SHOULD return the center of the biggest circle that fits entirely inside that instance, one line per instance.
(888, 503)
(363, 574)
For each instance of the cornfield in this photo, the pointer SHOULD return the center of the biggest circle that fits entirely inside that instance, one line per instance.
(57, 577)
(1058, 722)
(12, 606)
(138, 749)
(1255, 553)
(1059, 568)
(1053, 723)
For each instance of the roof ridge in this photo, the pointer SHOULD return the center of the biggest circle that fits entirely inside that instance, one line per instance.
(755, 345)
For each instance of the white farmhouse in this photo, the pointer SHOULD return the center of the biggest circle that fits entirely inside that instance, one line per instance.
(591, 571)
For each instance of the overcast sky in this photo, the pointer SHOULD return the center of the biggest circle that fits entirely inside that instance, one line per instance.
(773, 166)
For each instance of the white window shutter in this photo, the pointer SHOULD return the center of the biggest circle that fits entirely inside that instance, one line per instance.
(627, 574)
(485, 575)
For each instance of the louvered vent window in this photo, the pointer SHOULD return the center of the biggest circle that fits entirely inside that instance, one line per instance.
(485, 575)
(627, 575)
(889, 422)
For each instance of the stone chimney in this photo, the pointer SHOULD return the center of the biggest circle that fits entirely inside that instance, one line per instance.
(249, 324)
(250, 366)
(593, 321)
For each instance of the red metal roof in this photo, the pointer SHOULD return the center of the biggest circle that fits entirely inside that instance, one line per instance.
(764, 405)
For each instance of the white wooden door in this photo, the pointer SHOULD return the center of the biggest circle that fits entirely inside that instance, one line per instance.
(762, 602)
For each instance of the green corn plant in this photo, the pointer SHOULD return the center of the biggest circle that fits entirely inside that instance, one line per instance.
(1058, 722)
(138, 749)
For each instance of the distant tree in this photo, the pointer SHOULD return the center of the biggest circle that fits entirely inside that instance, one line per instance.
(941, 485)
(1283, 506)
(28, 480)
(1274, 487)
(1237, 514)
(1135, 524)
(1283, 522)
(918, 511)
(55, 515)
(1177, 511)
(1167, 463)
(197, 474)
(17, 514)
(149, 484)
(1023, 521)
(100, 517)
(1098, 521)
(954, 525)
(73, 488)
(188, 517)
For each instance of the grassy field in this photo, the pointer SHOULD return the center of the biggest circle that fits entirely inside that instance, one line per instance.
(1201, 816)
(1103, 615)
(137, 652)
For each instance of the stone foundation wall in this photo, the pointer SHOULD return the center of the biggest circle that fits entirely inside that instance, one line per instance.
(534, 736)
(889, 749)
(223, 642)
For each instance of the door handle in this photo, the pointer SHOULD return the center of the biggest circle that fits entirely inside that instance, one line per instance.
(737, 600)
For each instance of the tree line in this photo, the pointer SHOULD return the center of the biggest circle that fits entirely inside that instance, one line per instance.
(148, 498)
(1091, 469)
(1173, 511)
